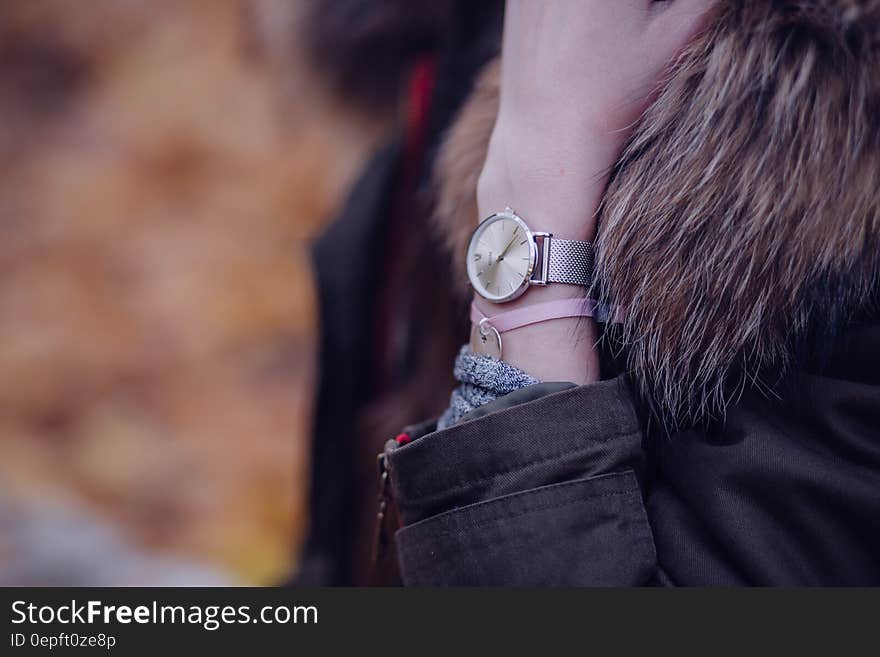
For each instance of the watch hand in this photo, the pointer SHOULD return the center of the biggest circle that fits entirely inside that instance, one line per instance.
(507, 248)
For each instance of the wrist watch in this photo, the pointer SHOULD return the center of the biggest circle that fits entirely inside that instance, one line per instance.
(505, 257)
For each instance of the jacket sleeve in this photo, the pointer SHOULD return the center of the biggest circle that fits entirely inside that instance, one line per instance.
(540, 487)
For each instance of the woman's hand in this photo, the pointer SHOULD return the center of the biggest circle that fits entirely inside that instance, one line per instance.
(575, 76)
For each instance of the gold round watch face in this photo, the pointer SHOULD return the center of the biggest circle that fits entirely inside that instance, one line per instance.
(501, 257)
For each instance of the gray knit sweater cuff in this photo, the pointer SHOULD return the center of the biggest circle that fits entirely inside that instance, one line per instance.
(482, 379)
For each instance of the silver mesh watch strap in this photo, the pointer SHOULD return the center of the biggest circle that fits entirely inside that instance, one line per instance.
(569, 261)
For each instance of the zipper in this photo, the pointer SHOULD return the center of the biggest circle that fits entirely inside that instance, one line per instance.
(380, 540)
(385, 499)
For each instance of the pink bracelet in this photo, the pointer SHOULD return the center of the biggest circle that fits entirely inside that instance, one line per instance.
(535, 314)
(486, 337)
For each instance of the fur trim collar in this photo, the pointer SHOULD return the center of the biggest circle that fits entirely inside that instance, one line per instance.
(742, 222)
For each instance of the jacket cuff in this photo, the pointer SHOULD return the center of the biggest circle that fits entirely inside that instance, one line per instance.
(563, 436)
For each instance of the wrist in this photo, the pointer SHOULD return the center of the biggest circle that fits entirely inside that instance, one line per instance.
(534, 295)
(556, 187)
(561, 349)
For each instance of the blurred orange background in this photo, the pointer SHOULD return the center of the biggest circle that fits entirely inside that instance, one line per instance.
(163, 166)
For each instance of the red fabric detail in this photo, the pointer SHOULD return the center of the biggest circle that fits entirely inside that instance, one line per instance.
(415, 135)
(403, 439)
(421, 87)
